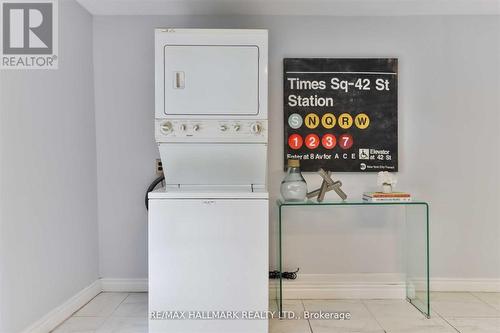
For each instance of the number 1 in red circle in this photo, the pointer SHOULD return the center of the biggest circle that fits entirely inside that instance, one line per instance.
(295, 141)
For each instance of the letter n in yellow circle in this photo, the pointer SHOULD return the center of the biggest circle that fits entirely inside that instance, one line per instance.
(312, 120)
(328, 120)
(362, 121)
(345, 120)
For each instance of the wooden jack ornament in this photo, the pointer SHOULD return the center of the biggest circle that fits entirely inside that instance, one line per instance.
(328, 184)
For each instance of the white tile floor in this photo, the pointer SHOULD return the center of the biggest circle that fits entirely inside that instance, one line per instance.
(452, 312)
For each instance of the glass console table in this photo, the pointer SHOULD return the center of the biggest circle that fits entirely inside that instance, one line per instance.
(416, 246)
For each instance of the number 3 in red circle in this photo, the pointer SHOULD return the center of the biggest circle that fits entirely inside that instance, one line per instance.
(312, 141)
(295, 141)
(345, 141)
(329, 141)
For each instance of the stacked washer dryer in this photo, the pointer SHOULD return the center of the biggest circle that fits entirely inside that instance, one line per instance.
(208, 228)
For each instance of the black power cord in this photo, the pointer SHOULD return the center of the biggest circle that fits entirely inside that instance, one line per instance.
(152, 187)
(284, 275)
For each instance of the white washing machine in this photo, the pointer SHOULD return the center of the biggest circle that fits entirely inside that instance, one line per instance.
(208, 228)
(208, 252)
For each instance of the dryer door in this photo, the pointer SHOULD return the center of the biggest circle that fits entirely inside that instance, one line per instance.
(211, 80)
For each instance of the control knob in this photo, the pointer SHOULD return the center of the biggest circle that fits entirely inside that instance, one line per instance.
(256, 128)
(236, 127)
(182, 127)
(166, 127)
(196, 128)
(223, 128)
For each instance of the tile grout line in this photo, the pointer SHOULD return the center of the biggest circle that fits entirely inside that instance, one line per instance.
(304, 309)
(476, 316)
(483, 301)
(373, 315)
(446, 321)
(93, 298)
(472, 317)
(111, 314)
(73, 315)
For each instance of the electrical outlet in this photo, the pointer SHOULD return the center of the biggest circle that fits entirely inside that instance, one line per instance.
(159, 167)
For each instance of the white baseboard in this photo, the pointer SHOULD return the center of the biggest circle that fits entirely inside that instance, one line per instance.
(337, 285)
(464, 285)
(342, 286)
(371, 286)
(124, 285)
(55, 317)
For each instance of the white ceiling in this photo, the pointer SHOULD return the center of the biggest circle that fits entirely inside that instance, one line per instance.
(293, 7)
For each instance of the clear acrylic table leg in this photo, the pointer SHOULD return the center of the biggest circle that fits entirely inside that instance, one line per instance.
(417, 257)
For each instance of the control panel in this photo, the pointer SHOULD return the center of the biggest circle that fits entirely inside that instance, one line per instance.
(190, 130)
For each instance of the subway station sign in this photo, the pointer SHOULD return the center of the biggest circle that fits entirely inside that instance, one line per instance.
(341, 114)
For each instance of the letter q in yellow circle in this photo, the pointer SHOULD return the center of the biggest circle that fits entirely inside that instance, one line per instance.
(345, 120)
(311, 120)
(328, 120)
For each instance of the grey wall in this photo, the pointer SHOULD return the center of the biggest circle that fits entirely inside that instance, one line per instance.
(449, 124)
(49, 240)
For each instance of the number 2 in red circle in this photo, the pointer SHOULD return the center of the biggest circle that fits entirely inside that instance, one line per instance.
(329, 141)
(345, 141)
(295, 141)
(312, 141)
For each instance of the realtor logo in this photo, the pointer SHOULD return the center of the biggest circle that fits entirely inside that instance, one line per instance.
(29, 34)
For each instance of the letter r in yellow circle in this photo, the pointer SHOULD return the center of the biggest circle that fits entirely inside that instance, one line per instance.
(311, 120)
(345, 120)
(328, 120)
(362, 121)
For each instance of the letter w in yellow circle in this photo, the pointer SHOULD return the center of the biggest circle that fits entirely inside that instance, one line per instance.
(362, 121)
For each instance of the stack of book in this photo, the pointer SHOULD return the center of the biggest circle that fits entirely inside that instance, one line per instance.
(386, 197)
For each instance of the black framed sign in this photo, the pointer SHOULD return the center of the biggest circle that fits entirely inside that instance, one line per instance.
(341, 114)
